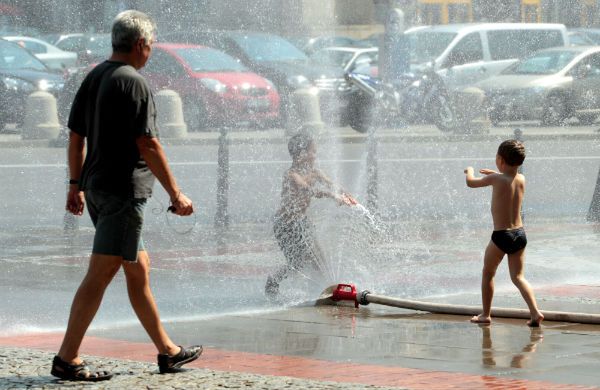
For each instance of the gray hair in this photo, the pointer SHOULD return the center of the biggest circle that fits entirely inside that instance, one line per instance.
(128, 27)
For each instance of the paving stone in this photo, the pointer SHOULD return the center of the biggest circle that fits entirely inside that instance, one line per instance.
(29, 368)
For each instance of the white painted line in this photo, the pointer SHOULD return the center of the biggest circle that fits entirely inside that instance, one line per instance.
(279, 162)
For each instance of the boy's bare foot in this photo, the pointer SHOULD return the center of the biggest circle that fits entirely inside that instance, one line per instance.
(536, 321)
(481, 319)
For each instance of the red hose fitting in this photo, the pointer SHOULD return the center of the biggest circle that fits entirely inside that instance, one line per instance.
(345, 292)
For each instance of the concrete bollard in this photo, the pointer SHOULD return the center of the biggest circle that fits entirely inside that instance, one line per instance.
(41, 117)
(306, 111)
(170, 114)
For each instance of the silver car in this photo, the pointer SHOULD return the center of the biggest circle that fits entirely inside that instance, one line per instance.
(52, 56)
(551, 85)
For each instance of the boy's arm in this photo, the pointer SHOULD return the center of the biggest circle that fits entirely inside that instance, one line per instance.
(476, 182)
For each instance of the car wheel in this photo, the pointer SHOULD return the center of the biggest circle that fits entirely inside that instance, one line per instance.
(555, 111)
(195, 115)
(444, 115)
(587, 119)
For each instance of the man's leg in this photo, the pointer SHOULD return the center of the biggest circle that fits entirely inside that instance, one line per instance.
(101, 270)
(492, 258)
(138, 286)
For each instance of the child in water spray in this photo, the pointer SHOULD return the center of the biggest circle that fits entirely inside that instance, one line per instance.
(508, 189)
(294, 231)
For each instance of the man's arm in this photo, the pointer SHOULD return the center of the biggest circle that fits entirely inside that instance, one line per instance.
(476, 182)
(75, 155)
(154, 155)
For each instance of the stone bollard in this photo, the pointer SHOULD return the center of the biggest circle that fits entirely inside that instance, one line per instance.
(170, 114)
(306, 111)
(41, 117)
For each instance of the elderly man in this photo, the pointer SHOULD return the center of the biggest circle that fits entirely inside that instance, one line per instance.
(114, 111)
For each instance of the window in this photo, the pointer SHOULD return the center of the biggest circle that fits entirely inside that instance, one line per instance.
(428, 45)
(548, 62)
(511, 44)
(467, 50)
(162, 63)
(34, 47)
(209, 60)
(589, 67)
(459, 13)
(14, 57)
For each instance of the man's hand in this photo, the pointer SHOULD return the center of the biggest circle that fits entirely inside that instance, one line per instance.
(182, 205)
(75, 200)
(487, 171)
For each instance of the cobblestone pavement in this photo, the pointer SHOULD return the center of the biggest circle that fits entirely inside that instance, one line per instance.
(28, 368)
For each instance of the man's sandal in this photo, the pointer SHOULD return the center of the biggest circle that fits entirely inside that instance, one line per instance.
(168, 363)
(77, 372)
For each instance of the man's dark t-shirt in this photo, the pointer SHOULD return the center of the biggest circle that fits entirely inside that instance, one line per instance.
(114, 106)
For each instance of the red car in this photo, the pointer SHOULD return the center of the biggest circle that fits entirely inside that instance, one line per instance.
(216, 89)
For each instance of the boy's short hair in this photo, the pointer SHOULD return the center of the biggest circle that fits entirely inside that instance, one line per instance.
(512, 152)
(299, 143)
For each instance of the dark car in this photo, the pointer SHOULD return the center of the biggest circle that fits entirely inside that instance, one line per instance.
(22, 74)
(282, 63)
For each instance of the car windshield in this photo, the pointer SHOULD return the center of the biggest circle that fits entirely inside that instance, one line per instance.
(548, 62)
(262, 48)
(426, 46)
(13, 57)
(332, 57)
(209, 60)
(100, 43)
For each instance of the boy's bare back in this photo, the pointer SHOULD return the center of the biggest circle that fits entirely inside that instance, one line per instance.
(507, 199)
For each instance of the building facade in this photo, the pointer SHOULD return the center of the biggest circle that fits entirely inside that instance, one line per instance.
(357, 18)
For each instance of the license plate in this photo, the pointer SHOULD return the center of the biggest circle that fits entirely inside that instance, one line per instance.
(258, 104)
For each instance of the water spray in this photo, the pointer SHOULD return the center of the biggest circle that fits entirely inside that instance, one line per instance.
(345, 292)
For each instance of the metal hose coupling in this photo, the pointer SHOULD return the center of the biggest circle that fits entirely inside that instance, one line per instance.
(362, 297)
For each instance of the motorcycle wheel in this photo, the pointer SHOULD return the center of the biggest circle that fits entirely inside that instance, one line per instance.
(360, 113)
(444, 116)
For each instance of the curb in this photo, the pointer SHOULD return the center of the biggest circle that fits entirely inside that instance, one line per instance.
(240, 138)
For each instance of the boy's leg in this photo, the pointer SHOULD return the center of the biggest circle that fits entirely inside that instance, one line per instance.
(101, 270)
(492, 258)
(138, 286)
(516, 267)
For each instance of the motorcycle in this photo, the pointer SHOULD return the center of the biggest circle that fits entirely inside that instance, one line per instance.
(415, 98)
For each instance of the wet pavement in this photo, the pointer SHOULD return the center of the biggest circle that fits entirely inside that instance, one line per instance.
(333, 347)
(209, 286)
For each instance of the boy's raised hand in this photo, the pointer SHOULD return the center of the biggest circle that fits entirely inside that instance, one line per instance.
(345, 199)
(487, 171)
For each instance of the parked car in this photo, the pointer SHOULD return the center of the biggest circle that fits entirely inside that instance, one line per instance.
(577, 38)
(90, 48)
(21, 74)
(464, 54)
(216, 89)
(282, 63)
(311, 45)
(350, 59)
(551, 85)
(52, 56)
(592, 34)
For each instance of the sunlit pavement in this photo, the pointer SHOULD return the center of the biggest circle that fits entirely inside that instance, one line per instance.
(366, 346)
(369, 346)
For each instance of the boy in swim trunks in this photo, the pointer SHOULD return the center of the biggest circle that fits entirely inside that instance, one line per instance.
(293, 230)
(508, 236)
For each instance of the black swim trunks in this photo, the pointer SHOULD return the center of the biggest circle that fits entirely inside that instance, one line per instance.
(510, 241)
